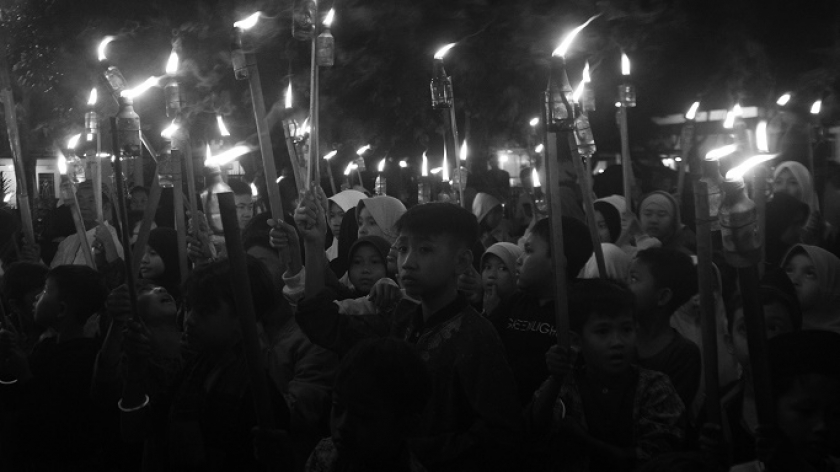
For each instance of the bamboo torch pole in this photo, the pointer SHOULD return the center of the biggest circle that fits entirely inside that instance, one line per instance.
(180, 140)
(68, 194)
(626, 99)
(125, 229)
(686, 143)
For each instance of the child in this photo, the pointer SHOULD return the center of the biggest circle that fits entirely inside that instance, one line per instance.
(815, 273)
(340, 203)
(663, 280)
(608, 211)
(378, 215)
(498, 274)
(22, 283)
(489, 212)
(606, 414)
(49, 390)
(616, 261)
(159, 265)
(794, 179)
(368, 263)
(381, 389)
(471, 420)
(659, 216)
(526, 324)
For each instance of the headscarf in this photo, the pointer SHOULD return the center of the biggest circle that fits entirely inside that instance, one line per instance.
(507, 252)
(379, 243)
(483, 204)
(617, 263)
(826, 315)
(782, 212)
(611, 208)
(681, 237)
(347, 199)
(385, 211)
(165, 242)
(803, 177)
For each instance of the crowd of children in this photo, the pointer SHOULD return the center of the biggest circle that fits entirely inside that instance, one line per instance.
(421, 339)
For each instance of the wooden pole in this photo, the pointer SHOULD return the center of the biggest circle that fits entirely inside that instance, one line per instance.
(178, 208)
(125, 229)
(760, 199)
(757, 345)
(451, 124)
(313, 173)
(97, 179)
(148, 218)
(241, 285)
(588, 205)
(626, 164)
(14, 144)
(558, 257)
(293, 153)
(686, 143)
(68, 194)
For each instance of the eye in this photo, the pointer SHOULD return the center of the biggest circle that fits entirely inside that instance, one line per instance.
(503, 269)
(402, 249)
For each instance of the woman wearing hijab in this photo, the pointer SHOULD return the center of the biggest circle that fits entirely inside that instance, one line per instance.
(659, 217)
(815, 274)
(489, 212)
(608, 211)
(378, 215)
(340, 204)
(616, 260)
(794, 179)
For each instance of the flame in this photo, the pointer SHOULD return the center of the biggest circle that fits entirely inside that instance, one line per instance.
(140, 89)
(692, 111)
(535, 178)
(578, 93)
(362, 150)
(442, 51)
(170, 130)
(330, 155)
(403, 164)
(254, 191)
(721, 152)
(8, 197)
(534, 121)
(445, 167)
(563, 48)
(424, 168)
(73, 141)
(289, 95)
(62, 164)
(436, 170)
(737, 173)
(761, 137)
(783, 100)
(816, 107)
(102, 45)
(280, 178)
(227, 156)
(222, 127)
(381, 166)
(350, 168)
(93, 97)
(729, 122)
(464, 151)
(329, 19)
(540, 148)
(247, 23)
(208, 154)
(172, 63)
(737, 111)
(625, 65)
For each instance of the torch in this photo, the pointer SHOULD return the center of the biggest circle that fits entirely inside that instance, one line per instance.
(323, 55)
(169, 176)
(92, 136)
(686, 142)
(559, 126)
(360, 162)
(626, 99)
(290, 133)
(327, 158)
(423, 190)
(742, 250)
(68, 195)
(444, 100)
(381, 184)
(710, 176)
(128, 125)
(245, 67)
(813, 125)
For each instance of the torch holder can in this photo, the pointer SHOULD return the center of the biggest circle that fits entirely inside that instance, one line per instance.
(739, 226)
(627, 95)
(325, 49)
(559, 114)
(172, 94)
(442, 96)
(128, 128)
(115, 79)
(583, 134)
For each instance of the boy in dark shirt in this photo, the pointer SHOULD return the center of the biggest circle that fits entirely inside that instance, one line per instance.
(663, 280)
(526, 323)
(49, 390)
(472, 418)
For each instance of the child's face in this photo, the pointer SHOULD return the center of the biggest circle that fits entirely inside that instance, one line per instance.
(429, 265)
(776, 321)
(608, 342)
(361, 427)
(366, 267)
(48, 305)
(656, 220)
(787, 183)
(244, 209)
(640, 281)
(336, 215)
(809, 416)
(151, 265)
(803, 274)
(368, 226)
(155, 303)
(603, 230)
(211, 331)
(534, 269)
(494, 272)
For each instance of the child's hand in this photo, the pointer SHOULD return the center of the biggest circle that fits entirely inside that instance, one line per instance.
(272, 448)
(384, 295)
(470, 283)
(118, 305)
(310, 218)
(560, 362)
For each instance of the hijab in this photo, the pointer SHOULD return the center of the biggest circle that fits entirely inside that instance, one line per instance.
(507, 252)
(611, 209)
(483, 204)
(803, 177)
(385, 211)
(826, 315)
(617, 263)
(347, 199)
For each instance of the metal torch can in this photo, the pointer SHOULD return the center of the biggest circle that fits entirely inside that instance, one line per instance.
(739, 226)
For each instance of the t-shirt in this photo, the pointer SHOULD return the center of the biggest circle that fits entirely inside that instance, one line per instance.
(680, 361)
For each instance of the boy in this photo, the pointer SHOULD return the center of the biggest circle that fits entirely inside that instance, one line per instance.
(526, 322)
(49, 390)
(606, 414)
(381, 390)
(663, 280)
(472, 418)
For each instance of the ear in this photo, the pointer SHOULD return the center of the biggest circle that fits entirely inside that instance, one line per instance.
(664, 296)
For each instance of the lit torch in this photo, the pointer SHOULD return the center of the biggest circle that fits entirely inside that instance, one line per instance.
(172, 90)
(443, 99)
(814, 133)
(686, 143)
(327, 158)
(626, 99)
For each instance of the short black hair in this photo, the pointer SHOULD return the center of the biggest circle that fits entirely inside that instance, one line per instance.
(210, 284)
(239, 187)
(437, 219)
(392, 367)
(81, 288)
(671, 269)
(602, 296)
(577, 242)
(22, 277)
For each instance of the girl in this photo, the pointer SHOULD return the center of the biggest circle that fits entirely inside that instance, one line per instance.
(815, 274)
(368, 263)
(340, 203)
(608, 217)
(794, 179)
(659, 216)
(160, 263)
(377, 217)
(498, 273)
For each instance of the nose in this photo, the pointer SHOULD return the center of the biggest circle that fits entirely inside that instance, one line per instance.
(409, 260)
(363, 230)
(520, 260)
